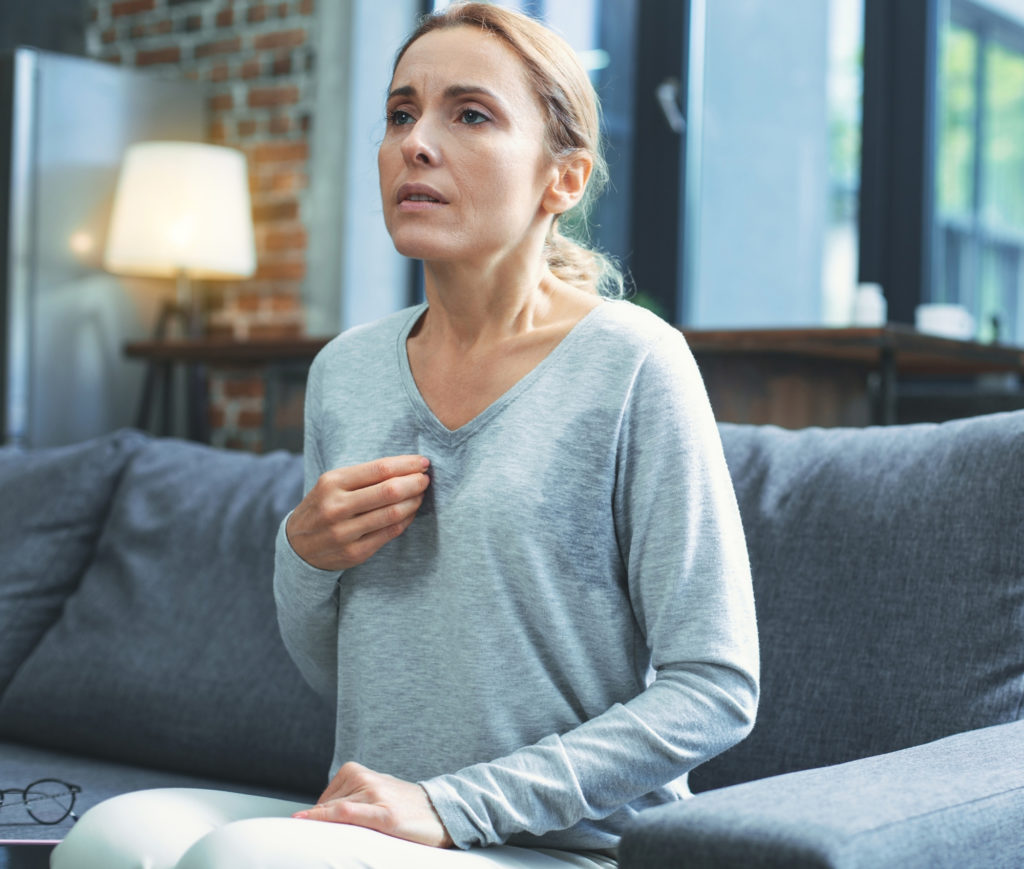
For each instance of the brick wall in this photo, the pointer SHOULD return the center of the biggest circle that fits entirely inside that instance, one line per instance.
(256, 61)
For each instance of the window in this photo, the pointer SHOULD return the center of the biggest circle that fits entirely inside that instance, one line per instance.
(734, 138)
(779, 170)
(979, 237)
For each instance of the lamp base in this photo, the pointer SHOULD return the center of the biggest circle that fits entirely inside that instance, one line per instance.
(160, 376)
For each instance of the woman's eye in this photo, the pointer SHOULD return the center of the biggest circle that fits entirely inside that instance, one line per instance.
(398, 117)
(472, 116)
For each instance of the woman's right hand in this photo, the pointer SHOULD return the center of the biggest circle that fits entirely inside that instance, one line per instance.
(352, 512)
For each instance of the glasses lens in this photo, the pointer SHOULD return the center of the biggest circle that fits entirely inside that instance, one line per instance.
(49, 801)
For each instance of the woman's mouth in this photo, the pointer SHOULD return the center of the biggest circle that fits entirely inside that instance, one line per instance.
(417, 197)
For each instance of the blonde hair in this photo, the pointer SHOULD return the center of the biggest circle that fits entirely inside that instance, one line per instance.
(573, 124)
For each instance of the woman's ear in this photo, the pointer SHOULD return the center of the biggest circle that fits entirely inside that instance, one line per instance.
(569, 184)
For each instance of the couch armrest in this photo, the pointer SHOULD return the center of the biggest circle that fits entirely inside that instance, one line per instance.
(955, 802)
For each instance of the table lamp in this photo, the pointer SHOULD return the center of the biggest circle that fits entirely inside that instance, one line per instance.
(182, 211)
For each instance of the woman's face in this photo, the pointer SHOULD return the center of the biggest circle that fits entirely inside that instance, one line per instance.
(463, 167)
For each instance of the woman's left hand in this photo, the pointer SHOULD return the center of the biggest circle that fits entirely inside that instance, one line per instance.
(364, 798)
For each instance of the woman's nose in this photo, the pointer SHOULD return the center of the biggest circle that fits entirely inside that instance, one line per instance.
(420, 146)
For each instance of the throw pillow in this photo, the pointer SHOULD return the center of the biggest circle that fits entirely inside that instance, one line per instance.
(888, 569)
(54, 503)
(169, 655)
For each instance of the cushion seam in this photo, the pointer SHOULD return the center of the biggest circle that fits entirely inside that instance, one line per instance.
(934, 812)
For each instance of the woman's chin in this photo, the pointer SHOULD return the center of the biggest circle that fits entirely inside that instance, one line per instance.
(423, 249)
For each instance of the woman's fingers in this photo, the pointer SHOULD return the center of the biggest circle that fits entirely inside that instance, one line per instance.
(343, 811)
(351, 512)
(387, 493)
(353, 779)
(365, 545)
(390, 513)
(370, 473)
(365, 798)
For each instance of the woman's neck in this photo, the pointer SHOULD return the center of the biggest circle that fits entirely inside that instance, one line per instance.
(480, 337)
(473, 306)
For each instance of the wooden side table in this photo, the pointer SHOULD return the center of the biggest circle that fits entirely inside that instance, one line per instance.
(276, 359)
(822, 376)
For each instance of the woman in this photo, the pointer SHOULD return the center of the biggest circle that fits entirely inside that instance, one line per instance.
(518, 570)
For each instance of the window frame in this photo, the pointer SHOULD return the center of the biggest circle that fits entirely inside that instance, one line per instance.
(897, 196)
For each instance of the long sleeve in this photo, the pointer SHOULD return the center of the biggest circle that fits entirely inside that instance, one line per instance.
(681, 540)
(307, 597)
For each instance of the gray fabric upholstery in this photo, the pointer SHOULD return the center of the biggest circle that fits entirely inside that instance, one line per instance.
(52, 506)
(99, 779)
(888, 570)
(945, 805)
(168, 653)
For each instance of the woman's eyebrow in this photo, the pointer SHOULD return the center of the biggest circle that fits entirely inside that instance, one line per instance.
(455, 90)
(404, 91)
(461, 90)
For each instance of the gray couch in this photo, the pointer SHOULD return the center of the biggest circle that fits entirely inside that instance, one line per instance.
(138, 645)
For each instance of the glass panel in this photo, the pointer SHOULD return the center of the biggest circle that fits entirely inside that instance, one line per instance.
(1003, 164)
(980, 172)
(958, 112)
(776, 241)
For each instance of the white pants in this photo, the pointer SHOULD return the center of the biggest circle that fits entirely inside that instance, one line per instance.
(185, 828)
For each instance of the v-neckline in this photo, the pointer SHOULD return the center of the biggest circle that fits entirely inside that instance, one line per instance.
(467, 429)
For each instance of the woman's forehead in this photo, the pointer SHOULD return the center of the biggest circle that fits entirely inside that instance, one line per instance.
(462, 56)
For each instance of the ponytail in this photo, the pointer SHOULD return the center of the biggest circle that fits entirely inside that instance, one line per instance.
(581, 266)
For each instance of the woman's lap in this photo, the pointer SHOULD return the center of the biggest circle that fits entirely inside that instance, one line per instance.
(178, 828)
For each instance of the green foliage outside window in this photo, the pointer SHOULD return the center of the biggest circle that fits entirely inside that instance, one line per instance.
(959, 110)
(1003, 164)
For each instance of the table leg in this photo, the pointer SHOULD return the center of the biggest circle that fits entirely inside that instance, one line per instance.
(887, 388)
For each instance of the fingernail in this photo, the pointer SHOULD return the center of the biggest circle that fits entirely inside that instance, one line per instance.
(425, 462)
(301, 815)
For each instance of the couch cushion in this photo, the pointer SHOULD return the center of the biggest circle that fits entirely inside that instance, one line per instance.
(54, 503)
(948, 804)
(888, 570)
(168, 655)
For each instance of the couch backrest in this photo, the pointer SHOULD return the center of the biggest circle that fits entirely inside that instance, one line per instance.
(888, 570)
(167, 653)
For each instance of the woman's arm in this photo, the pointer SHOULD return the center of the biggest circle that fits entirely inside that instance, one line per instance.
(306, 596)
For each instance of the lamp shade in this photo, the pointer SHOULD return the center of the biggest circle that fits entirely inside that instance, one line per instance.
(182, 208)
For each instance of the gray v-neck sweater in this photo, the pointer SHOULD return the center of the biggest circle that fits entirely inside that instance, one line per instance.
(567, 627)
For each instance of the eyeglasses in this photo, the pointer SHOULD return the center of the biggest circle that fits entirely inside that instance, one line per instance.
(48, 801)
